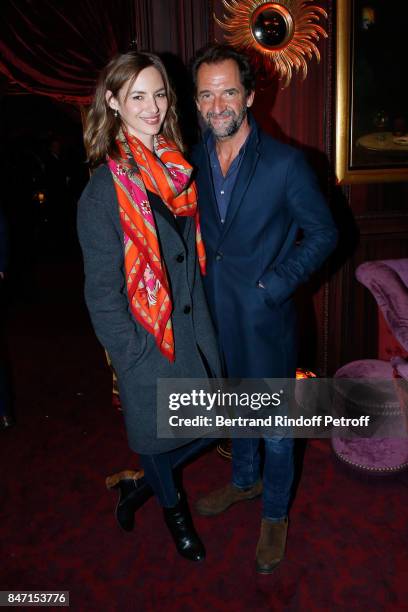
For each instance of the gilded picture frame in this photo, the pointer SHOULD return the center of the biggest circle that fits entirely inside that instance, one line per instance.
(371, 125)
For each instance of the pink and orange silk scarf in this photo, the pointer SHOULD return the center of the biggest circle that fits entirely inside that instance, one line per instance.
(166, 173)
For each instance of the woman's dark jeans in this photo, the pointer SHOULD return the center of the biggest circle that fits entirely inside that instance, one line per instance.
(159, 470)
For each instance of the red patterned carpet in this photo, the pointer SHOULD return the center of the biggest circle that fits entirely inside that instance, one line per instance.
(348, 544)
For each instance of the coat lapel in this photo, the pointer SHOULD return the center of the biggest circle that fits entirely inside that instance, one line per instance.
(246, 171)
(212, 207)
(187, 228)
(180, 235)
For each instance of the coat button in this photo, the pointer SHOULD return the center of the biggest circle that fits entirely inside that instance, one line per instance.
(187, 309)
(180, 258)
(219, 256)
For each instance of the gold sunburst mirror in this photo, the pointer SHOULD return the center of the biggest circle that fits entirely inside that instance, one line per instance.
(280, 35)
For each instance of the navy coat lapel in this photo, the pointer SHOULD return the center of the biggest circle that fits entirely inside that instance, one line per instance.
(246, 171)
(212, 207)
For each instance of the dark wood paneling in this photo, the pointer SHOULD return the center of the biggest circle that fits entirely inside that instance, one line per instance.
(385, 198)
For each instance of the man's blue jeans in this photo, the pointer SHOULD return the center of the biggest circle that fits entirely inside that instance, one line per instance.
(277, 475)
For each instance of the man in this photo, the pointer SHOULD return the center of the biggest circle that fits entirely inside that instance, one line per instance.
(254, 195)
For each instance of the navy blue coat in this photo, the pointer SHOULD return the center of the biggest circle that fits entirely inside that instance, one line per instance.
(275, 194)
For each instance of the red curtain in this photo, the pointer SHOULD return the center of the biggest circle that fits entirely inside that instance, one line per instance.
(56, 48)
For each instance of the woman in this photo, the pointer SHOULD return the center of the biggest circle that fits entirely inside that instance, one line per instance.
(140, 235)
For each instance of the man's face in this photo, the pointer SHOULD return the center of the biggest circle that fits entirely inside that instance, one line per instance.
(221, 98)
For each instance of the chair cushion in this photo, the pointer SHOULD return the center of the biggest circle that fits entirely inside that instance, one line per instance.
(376, 398)
(376, 455)
(365, 368)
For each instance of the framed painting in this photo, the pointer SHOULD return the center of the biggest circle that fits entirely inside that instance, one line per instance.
(371, 91)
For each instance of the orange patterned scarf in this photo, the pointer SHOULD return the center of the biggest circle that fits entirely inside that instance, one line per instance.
(166, 173)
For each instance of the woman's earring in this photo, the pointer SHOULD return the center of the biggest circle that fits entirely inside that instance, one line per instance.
(116, 113)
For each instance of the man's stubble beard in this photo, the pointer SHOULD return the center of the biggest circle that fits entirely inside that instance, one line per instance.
(230, 129)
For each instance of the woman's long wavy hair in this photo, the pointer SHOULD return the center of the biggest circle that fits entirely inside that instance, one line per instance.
(101, 126)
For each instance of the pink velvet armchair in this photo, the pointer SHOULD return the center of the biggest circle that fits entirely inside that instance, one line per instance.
(388, 282)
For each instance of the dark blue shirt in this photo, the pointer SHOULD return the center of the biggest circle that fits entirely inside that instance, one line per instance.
(223, 185)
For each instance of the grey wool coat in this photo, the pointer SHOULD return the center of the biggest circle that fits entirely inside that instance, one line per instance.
(133, 351)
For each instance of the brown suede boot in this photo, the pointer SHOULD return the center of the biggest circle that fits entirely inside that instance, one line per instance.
(221, 499)
(270, 549)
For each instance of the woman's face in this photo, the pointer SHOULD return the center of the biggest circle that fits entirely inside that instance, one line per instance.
(143, 107)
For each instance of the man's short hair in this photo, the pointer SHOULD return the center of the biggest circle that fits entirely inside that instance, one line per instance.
(214, 54)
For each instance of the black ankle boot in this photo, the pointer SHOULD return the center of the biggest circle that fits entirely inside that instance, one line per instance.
(133, 493)
(180, 524)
